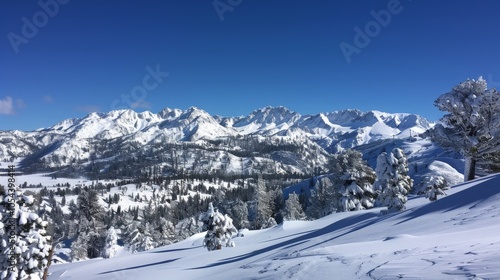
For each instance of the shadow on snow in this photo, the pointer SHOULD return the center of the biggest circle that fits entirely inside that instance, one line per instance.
(139, 266)
(173, 250)
(473, 195)
(364, 220)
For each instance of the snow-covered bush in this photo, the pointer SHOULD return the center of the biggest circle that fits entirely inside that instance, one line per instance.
(432, 186)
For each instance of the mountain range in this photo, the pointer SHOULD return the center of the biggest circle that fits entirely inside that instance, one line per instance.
(173, 139)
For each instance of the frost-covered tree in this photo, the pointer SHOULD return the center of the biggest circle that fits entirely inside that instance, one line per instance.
(472, 125)
(393, 182)
(25, 245)
(111, 246)
(220, 229)
(293, 210)
(139, 236)
(187, 227)
(353, 180)
(164, 232)
(432, 186)
(263, 217)
(240, 214)
(79, 247)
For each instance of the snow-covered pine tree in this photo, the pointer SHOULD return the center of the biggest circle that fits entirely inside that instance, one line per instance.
(432, 186)
(293, 210)
(187, 227)
(139, 236)
(25, 245)
(353, 180)
(240, 214)
(263, 217)
(164, 232)
(393, 182)
(472, 125)
(90, 236)
(79, 247)
(111, 246)
(277, 205)
(220, 229)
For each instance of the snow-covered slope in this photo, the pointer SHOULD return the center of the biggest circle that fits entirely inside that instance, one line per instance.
(455, 237)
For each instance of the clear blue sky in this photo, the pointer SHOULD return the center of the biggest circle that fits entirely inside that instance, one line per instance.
(87, 54)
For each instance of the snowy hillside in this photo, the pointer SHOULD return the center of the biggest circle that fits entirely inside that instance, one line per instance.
(455, 237)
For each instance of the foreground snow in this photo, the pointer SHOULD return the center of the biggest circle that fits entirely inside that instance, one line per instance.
(455, 237)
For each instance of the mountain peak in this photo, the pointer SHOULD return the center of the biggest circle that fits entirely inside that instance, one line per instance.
(270, 110)
(168, 113)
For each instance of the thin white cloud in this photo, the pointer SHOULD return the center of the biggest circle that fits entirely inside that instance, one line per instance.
(89, 108)
(48, 99)
(141, 104)
(6, 106)
(20, 103)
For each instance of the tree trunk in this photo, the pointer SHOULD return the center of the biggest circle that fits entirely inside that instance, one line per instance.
(470, 169)
(46, 271)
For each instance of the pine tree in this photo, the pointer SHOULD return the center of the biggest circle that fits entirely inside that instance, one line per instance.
(220, 229)
(240, 214)
(187, 227)
(323, 200)
(111, 245)
(25, 245)
(293, 210)
(263, 217)
(353, 180)
(90, 236)
(79, 247)
(164, 232)
(393, 182)
(139, 237)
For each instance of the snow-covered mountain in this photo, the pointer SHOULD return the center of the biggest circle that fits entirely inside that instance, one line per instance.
(455, 237)
(116, 134)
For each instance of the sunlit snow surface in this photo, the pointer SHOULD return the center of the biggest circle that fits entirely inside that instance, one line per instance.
(456, 237)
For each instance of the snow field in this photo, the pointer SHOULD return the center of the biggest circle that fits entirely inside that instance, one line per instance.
(455, 237)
